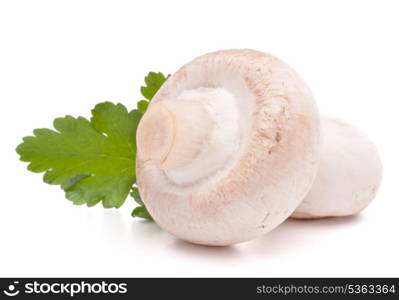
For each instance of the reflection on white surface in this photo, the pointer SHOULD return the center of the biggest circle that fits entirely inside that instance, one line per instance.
(286, 239)
(292, 235)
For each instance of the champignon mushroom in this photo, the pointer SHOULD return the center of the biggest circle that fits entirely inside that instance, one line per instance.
(349, 173)
(228, 147)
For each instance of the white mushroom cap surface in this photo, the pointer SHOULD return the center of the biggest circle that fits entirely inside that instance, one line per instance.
(228, 147)
(349, 174)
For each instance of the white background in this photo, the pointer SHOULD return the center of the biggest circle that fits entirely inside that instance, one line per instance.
(62, 57)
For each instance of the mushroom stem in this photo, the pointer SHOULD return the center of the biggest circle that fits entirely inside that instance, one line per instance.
(192, 136)
(156, 137)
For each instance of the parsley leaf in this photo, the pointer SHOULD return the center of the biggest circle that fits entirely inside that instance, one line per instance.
(142, 105)
(141, 212)
(136, 196)
(92, 160)
(153, 82)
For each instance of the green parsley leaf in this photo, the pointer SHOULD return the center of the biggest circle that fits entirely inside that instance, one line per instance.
(141, 212)
(142, 105)
(153, 82)
(92, 160)
(136, 196)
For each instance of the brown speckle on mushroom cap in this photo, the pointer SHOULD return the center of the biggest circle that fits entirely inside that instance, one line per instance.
(245, 145)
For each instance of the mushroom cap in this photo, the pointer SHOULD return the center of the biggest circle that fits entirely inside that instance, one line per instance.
(228, 147)
(349, 174)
